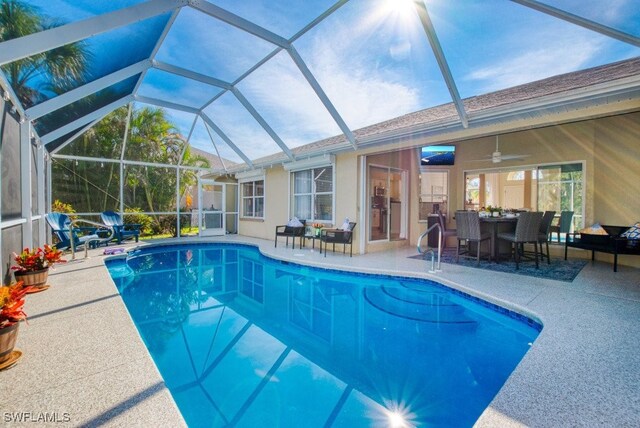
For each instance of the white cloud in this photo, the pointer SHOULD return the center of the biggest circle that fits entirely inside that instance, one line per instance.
(568, 52)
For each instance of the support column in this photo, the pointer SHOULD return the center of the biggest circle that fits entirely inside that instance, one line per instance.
(178, 200)
(25, 183)
(42, 209)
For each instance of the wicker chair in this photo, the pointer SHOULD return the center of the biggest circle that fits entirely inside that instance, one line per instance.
(445, 232)
(527, 232)
(468, 230)
(291, 231)
(543, 236)
(338, 236)
(563, 226)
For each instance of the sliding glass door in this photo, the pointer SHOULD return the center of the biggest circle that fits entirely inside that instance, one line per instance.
(543, 188)
(387, 204)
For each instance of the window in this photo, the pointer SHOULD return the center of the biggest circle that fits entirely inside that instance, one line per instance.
(252, 284)
(311, 306)
(434, 192)
(253, 199)
(313, 194)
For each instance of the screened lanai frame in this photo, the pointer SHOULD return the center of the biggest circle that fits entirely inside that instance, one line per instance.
(49, 145)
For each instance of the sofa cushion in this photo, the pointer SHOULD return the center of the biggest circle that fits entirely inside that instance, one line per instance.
(294, 222)
(633, 232)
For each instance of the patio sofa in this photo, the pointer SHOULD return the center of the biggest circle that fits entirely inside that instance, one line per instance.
(612, 243)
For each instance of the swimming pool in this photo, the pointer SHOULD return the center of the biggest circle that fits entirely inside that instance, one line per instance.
(244, 340)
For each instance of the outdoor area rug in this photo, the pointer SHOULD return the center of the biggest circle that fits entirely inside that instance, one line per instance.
(559, 269)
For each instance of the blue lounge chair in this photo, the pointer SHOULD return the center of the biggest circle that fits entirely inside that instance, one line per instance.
(61, 227)
(121, 231)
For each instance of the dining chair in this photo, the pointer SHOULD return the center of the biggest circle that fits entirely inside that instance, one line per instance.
(445, 232)
(468, 230)
(543, 235)
(527, 231)
(563, 226)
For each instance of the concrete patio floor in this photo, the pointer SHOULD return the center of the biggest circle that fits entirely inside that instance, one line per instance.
(85, 364)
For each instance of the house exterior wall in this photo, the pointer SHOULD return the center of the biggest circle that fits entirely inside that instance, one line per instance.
(608, 147)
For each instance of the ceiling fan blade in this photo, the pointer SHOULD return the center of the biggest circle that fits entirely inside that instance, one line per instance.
(514, 157)
(485, 159)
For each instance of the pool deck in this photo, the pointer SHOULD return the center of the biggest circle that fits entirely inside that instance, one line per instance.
(84, 362)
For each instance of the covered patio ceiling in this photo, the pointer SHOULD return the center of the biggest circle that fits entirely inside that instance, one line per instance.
(246, 80)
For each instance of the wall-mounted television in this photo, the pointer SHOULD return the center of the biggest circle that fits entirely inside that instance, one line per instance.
(437, 155)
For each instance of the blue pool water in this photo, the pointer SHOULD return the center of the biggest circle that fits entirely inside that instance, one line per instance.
(244, 340)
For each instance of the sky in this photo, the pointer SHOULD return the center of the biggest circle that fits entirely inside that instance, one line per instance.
(371, 57)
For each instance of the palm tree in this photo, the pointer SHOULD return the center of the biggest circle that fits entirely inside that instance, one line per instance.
(55, 71)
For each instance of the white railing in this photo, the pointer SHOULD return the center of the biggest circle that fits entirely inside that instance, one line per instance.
(430, 250)
(87, 242)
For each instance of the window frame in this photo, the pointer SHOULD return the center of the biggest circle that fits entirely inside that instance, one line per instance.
(253, 197)
(313, 193)
(444, 196)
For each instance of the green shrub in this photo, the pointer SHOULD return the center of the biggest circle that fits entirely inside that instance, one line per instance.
(60, 207)
(135, 216)
(168, 223)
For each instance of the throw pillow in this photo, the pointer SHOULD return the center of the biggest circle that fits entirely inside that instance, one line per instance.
(294, 222)
(345, 225)
(594, 229)
(633, 232)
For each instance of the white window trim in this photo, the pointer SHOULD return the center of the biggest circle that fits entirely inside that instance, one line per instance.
(292, 193)
(264, 197)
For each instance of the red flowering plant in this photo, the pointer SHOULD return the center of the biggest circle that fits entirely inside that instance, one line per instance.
(30, 260)
(11, 304)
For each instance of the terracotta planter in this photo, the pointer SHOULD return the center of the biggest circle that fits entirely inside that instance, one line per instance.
(36, 278)
(8, 336)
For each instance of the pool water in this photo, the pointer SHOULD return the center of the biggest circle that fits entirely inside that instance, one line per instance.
(244, 340)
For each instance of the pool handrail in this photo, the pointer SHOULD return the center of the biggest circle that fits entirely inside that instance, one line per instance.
(419, 246)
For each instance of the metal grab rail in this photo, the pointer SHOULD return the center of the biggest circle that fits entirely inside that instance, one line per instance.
(86, 243)
(433, 269)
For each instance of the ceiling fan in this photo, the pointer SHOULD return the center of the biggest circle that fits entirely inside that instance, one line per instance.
(497, 156)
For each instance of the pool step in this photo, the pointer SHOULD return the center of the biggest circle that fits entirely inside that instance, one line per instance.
(416, 305)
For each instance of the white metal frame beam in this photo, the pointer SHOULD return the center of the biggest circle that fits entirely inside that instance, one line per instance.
(302, 66)
(156, 48)
(578, 20)
(225, 138)
(74, 136)
(26, 186)
(427, 25)
(258, 117)
(184, 149)
(238, 22)
(74, 95)
(166, 104)
(282, 43)
(224, 166)
(179, 71)
(236, 92)
(100, 113)
(36, 43)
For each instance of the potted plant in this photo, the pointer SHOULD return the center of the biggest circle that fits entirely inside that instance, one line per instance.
(32, 265)
(11, 313)
(495, 211)
(317, 228)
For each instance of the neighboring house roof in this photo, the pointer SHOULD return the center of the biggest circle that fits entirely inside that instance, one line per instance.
(434, 116)
(214, 161)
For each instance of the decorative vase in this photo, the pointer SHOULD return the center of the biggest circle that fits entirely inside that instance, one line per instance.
(36, 278)
(496, 214)
(8, 336)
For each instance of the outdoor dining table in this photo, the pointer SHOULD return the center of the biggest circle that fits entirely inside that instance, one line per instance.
(495, 225)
